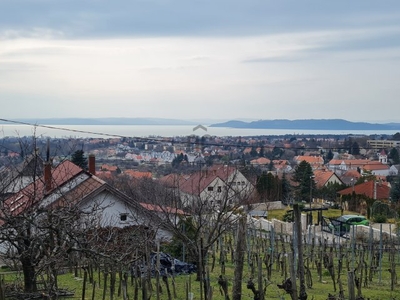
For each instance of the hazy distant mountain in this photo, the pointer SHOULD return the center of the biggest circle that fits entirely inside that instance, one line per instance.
(105, 121)
(312, 124)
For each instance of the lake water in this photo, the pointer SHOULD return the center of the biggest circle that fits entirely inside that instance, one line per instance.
(106, 131)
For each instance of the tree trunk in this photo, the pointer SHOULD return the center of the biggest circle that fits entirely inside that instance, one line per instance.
(29, 275)
(239, 260)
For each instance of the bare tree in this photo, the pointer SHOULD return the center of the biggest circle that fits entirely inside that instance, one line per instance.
(209, 203)
(51, 216)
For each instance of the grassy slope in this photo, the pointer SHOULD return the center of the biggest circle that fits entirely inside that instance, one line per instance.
(379, 288)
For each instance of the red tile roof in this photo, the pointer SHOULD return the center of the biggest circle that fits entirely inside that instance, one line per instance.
(368, 188)
(310, 159)
(163, 209)
(352, 173)
(36, 191)
(322, 177)
(138, 174)
(376, 167)
(197, 182)
(260, 161)
(108, 168)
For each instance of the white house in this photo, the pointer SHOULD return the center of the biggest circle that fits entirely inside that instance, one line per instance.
(217, 185)
(67, 184)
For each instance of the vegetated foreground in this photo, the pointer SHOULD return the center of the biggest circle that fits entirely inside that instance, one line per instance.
(268, 263)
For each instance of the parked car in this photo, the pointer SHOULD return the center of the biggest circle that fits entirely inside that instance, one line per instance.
(342, 224)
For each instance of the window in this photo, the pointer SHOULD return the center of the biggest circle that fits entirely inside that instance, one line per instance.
(219, 189)
(210, 188)
(123, 217)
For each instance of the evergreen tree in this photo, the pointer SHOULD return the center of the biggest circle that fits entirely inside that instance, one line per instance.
(276, 153)
(355, 148)
(269, 187)
(329, 155)
(79, 159)
(271, 165)
(285, 189)
(395, 190)
(262, 153)
(304, 178)
(396, 136)
(253, 152)
(394, 156)
(178, 159)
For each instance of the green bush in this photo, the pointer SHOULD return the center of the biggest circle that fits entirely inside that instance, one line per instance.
(380, 218)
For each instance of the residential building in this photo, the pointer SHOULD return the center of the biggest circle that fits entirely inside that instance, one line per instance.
(217, 185)
(372, 189)
(316, 162)
(383, 144)
(67, 184)
(325, 177)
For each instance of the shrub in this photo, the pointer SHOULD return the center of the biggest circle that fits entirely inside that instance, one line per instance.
(380, 218)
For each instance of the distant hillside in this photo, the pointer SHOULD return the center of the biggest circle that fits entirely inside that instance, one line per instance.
(312, 124)
(105, 121)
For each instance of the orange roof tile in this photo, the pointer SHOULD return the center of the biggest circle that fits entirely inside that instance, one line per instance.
(138, 174)
(367, 189)
(310, 159)
(373, 167)
(36, 191)
(108, 168)
(260, 161)
(322, 177)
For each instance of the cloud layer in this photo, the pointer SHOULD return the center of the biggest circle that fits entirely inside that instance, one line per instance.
(200, 59)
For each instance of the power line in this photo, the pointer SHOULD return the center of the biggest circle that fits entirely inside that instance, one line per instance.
(171, 140)
(76, 130)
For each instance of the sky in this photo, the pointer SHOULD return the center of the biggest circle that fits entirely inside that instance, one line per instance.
(200, 59)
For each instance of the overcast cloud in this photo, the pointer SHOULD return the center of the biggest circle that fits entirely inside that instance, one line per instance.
(200, 59)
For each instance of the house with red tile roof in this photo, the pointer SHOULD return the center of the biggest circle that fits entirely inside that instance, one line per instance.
(137, 174)
(350, 177)
(261, 161)
(110, 168)
(378, 169)
(371, 189)
(216, 185)
(66, 185)
(324, 178)
(282, 166)
(343, 165)
(316, 162)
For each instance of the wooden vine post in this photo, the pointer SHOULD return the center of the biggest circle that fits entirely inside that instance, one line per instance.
(239, 259)
(297, 223)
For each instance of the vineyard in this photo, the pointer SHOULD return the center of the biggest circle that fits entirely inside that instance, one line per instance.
(248, 262)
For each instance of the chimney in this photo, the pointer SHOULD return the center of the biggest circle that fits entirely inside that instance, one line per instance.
(47, 177)
(92, 164)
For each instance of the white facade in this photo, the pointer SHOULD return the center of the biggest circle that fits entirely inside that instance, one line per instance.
(111, 210)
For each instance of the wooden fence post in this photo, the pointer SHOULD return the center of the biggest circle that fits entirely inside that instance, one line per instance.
(350, 284)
